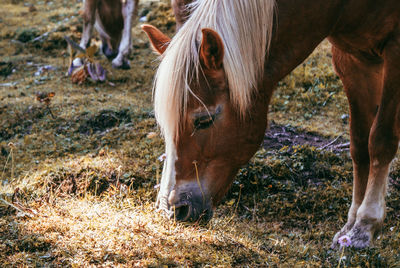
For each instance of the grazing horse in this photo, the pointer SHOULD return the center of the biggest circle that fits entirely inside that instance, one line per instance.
(113, 20)
(216, 79)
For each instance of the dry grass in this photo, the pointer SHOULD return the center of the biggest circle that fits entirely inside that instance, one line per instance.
(78, 189)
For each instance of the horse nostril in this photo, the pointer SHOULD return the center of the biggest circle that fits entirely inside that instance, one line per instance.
(182, 213)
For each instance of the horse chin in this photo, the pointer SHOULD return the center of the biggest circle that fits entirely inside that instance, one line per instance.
(189, 203)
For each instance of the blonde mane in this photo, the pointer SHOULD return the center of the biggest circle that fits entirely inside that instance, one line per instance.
(245, 27)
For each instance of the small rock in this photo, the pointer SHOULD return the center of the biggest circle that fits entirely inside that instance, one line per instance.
(11, 84)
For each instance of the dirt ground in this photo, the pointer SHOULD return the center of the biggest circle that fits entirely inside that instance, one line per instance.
(79, 171)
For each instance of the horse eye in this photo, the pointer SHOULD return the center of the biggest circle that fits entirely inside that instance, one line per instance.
(203, 122)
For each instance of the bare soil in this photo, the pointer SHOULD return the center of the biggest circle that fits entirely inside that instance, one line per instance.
(278, 136)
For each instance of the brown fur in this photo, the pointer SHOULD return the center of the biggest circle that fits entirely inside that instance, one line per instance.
(111, 16)
(159, 40)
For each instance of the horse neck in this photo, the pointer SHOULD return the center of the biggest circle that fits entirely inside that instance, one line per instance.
(300, 26)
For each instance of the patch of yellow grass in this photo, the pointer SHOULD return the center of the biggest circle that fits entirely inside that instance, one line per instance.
(114, 231)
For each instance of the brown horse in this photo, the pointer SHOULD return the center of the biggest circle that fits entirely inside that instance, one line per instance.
(216, 79)
(113, 20)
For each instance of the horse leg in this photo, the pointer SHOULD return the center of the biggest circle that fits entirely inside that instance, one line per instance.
(129, 11)
(89, 17)
(382, 146)
(363, 85)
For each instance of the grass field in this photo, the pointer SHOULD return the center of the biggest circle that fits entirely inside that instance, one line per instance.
(78, 176)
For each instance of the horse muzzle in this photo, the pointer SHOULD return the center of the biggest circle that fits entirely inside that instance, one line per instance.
(189, 203)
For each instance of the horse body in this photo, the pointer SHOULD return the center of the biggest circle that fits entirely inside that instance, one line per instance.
(113, 20)
(213, 139)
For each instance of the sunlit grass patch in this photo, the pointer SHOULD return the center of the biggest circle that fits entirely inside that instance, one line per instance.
(121, 231)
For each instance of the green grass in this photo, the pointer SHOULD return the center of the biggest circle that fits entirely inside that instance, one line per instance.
(78, 189)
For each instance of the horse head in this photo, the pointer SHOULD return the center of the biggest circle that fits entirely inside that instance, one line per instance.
(211, 141)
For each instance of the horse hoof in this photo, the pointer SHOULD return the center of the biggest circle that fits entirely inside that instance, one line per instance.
(124, 65)
(335, 243)
(76, 63)
(359, 236)
(341, 233)
(108, 52)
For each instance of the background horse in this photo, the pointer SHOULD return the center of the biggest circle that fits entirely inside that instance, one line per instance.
(113, 20)
(214, 84)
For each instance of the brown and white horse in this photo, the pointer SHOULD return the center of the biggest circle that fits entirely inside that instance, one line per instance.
(216, 78)
(113, 20)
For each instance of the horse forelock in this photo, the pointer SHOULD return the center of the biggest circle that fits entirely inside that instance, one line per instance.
(245, 27)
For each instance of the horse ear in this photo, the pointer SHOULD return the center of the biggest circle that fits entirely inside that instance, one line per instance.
(158, 40)
(211, 50)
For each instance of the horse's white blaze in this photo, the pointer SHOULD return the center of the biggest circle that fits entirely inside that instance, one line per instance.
(168, 176)
(128, 7)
